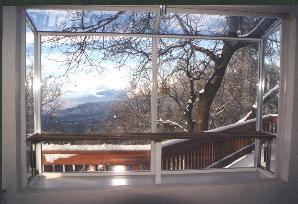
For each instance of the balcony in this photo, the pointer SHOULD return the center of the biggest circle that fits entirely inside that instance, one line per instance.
(70, 159)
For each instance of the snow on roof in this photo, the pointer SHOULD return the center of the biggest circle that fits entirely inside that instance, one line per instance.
(245, 117)
(175, 141)
(172, 142)
(53, 157)
(98, 147)
(226, 127)
(239, 123)
(270, 91)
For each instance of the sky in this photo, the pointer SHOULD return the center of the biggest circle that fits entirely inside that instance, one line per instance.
(81, 86)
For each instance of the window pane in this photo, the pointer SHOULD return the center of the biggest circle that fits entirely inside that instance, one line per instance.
(29, 99)
(29, 81)
(101, 89)
(96, 156)
(197, 92)
(271, 92)
(203, 24)
(95, 85)
(92, 21)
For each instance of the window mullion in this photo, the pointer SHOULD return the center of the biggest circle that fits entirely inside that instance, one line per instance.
(260, 91)
(37, 95)
(154, 111)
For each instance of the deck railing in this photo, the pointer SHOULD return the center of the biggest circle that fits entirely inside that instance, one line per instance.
(211, 149)
(220, 152)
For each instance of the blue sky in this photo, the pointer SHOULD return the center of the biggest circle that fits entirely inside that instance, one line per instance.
(82, 86)
(88, 86)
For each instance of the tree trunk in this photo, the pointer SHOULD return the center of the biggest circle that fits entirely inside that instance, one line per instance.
(203, 115)
(212, 86)
(190, 126)
(221, 62)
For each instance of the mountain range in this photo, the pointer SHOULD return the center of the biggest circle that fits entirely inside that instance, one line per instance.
(79, 119)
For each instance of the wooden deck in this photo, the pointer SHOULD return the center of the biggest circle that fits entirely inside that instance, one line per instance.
(212, 149)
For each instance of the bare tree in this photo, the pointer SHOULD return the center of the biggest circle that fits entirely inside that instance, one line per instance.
(207, 73)
(29, 100)
(50, 100)
(133, 112)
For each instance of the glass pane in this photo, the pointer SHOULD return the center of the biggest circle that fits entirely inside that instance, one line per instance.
(203, 24)
(271, 93)
(96, 156)
(197, 92)
(181, 76)
(92, 21)
(98, 88)
(93, 85)
(29, 81)
(29, 99)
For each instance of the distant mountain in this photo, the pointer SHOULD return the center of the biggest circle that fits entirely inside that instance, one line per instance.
(99, 96)
(84, 111)
(79, 119)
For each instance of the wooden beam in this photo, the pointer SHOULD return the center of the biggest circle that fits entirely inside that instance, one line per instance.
(199, 136)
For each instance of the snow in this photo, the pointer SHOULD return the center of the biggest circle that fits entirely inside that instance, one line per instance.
(172, 142)
(238, 124)
(53, 157)
(99, 147)
(230, 126)
(187, 108)
(245, 117)
(171, 123)
(119, 147)
(270, 91)
(223, 128)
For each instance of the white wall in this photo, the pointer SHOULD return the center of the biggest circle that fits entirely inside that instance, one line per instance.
(9, 66)
(274, 191)
(293, 172)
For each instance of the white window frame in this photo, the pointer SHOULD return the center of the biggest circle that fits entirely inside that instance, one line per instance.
(156, 148)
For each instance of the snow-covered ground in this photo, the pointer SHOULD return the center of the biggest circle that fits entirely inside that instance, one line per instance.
(248, 160)
(97, 147)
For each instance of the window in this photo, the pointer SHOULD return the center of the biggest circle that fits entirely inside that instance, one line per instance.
(98, 92)
(271, 91)
(187, 102)
(29, 99)
(107, 80)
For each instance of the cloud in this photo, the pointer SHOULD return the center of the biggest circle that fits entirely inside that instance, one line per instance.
(109, 93)
(100, 95)
(29, 37)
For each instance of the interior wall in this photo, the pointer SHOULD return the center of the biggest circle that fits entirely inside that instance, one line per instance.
(293, 173)
(9, 66)
(274, 191)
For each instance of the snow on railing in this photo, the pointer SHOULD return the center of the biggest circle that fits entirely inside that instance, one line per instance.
(219, 129)
(97, 147)
(187, 154)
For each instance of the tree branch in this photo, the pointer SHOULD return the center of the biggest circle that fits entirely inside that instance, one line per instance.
(207, 52)
(266, 97)
(170, 123)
